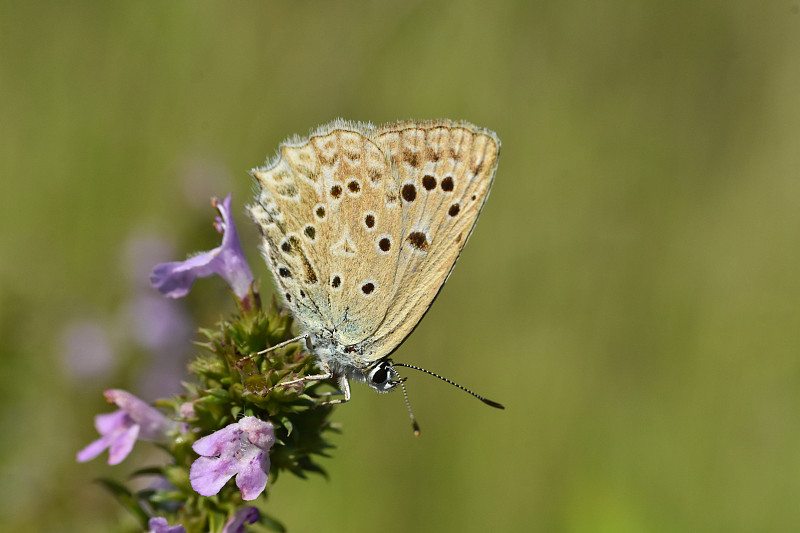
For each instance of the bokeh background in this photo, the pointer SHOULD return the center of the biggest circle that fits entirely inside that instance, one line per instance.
(631, 293)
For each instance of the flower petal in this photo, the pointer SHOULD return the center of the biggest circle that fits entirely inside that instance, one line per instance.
(174, 279)
(154, 425)
(108, 423)
(94, 449)
(159, 524)
(217, 442)
(259, 432)
(235, 269)
(122, 444)
(245, 515)
(252, 480)
(208, 475)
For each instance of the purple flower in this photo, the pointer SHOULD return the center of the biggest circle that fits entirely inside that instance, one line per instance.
(159, 524)
(87, 351)
(240, 449)
(245, 515)
(120, 430)
(187, 413)
(175, 279)
(160, 326)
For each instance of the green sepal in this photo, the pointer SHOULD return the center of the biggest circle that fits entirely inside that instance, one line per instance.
(222, 394)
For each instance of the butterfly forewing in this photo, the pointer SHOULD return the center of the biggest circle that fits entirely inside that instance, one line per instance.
(444, 172)
(357, 253)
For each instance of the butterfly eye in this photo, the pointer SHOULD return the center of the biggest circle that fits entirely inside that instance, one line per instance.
(379, 377)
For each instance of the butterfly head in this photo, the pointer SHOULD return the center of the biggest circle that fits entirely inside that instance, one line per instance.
(382, 376)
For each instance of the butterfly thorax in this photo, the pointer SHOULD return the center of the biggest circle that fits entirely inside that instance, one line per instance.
(344, 360)
(350, 361)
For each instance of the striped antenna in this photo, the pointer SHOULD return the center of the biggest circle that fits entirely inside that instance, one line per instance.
(453, 383)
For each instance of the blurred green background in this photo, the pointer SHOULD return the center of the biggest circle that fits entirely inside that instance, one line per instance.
(631, 293)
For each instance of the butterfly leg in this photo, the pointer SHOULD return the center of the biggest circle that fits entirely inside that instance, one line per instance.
(303, 337)
(344, 386)
(316, 377)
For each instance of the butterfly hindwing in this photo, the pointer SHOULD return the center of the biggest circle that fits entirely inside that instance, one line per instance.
(326, 208)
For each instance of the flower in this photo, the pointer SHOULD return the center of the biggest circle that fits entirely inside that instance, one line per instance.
(240, 449)
(158, 325)
(227, 260)
(245, 515)
(159, 524)
(87, 352)
(163, 328)
(187, 413)
(119, 430)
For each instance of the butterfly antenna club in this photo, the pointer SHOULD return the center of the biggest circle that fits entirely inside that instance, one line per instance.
(414, 423)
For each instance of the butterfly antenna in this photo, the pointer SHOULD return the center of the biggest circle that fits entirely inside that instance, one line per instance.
(408, 404)
(453, 383)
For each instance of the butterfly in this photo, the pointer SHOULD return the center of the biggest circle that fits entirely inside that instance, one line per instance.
(361, 226)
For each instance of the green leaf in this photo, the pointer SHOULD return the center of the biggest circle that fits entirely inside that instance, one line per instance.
(167, 496)
(270, 523)
(148, 471)
(126, 498)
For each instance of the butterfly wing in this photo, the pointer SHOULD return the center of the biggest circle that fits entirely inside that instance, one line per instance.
(325, 209)
(444, 171)
(361, 226)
